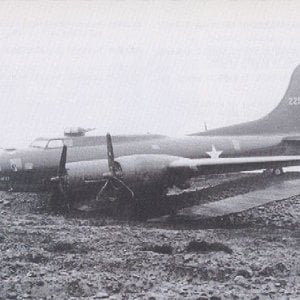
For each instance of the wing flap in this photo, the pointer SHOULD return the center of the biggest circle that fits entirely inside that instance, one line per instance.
(226, 165)
(291, 141)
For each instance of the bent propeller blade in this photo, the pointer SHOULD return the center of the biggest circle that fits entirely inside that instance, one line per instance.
(62, 163)
(122, 184)
(110, 154)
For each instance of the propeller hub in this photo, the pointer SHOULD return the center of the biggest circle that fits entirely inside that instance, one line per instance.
(55, 179)
(107, 175)
(114, 175)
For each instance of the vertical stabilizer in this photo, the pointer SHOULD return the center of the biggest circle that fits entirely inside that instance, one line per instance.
(284, 119)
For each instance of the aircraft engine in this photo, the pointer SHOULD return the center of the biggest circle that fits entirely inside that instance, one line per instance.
(123, 178)
(145, 172)
(82, 172)
(141, 173)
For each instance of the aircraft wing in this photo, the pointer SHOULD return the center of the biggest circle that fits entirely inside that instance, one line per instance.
(226, 165)
(291, 141)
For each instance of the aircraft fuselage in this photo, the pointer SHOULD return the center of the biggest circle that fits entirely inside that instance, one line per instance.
(28, 169)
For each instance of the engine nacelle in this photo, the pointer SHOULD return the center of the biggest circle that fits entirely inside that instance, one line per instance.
(78, 173)
(141, 173)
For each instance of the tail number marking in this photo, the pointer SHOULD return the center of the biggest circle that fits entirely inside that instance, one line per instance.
(294, 100)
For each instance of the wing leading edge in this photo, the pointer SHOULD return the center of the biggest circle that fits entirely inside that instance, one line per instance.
(206, 166)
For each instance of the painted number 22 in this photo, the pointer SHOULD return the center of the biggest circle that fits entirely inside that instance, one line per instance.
(294, 101)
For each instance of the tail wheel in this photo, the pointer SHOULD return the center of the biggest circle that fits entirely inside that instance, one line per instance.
(277, 171)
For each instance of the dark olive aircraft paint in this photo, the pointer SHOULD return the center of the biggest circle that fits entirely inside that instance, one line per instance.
(278, 133)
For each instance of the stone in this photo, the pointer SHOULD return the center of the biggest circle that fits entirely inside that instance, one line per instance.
(101, 295)
(240, 280)
(277, 284)
(6, 203)
(247, 273)
(282, 282)
(266, 271)
(1, 238)
(188, 257)
(31, 274)
(40, 283)
(12, 295)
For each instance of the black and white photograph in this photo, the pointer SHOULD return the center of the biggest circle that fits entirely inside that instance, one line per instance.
(150, 149)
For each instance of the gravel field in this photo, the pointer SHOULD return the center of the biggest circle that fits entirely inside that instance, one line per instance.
(47, 256)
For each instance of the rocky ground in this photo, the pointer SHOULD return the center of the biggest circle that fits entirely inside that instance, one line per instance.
(47, 256)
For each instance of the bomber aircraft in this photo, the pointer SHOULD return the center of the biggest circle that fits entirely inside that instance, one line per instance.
(137, 165)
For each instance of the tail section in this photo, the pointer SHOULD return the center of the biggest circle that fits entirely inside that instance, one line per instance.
(284, 119)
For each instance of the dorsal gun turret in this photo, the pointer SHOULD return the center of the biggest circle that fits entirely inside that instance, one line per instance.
(76, 131)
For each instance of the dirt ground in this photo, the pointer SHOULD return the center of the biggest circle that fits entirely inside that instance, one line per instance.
(47, 256)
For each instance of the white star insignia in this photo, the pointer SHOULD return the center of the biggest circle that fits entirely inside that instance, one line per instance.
(214, 153)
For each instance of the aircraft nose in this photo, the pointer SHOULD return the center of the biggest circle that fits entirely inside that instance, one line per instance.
(5, 167)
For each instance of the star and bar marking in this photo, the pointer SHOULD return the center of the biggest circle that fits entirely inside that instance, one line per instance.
(214, 153)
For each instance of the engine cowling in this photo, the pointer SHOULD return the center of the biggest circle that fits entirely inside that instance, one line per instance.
(80, 172)
(142, 173)
(145, 173)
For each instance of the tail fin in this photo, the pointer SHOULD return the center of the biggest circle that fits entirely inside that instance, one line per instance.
(284, 119)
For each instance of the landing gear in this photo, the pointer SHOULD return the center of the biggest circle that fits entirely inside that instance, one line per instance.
(275, 172)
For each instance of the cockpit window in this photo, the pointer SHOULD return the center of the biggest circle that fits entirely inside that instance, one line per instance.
(55, 144)
(52, 143)
(39, 143)
(68, 142)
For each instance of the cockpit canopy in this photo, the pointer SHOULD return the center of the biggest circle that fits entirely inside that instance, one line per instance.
(51, 143)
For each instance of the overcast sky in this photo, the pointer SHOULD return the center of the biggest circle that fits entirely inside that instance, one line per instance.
(142, 66)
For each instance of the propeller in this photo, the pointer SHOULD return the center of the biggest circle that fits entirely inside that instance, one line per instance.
(110, 156)
(113, 180)
(59, 184)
